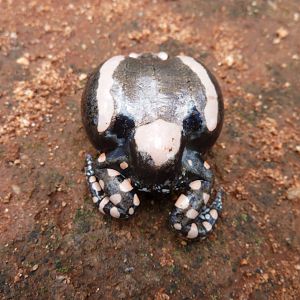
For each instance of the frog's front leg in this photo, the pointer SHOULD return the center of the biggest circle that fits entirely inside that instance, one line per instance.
(192, 216)
(111, 191)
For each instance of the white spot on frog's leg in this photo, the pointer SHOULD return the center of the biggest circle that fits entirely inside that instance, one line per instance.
(136, 200)
(115, 199)
(206, 165)
(214, 214)
(195, 185)
(131, 211)
(177, 226)
(104, 98)
(190, 162)
(192, 213)
(101, 182)
(112, 173)
(102, 204)
(205, 198)
(207, 226)
(114, 212)
(123, 165)
(182, 202)
(193, 233)
(102, 158)
(125, 186)
(96, 186)
(211, 107)
(162, 55)
(159, 139)
(92, 179)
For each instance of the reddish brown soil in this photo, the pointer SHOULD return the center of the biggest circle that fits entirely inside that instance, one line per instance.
(53, 242)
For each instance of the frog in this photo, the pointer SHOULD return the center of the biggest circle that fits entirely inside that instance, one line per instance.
(153, 117)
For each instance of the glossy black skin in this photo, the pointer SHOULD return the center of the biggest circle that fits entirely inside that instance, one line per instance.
(118, 142)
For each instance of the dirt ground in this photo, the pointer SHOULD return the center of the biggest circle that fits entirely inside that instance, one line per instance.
(55, 245)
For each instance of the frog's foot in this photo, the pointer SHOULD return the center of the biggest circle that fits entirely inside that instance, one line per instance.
(111, 191)
(191, 218)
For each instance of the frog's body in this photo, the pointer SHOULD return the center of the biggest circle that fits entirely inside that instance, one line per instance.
(153, 117)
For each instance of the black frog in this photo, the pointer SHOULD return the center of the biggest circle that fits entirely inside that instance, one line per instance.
(153, 118)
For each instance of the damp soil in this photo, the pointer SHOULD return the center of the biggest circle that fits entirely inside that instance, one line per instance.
(53, 242)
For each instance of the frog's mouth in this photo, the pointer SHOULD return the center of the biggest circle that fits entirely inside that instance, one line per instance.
(159, 139)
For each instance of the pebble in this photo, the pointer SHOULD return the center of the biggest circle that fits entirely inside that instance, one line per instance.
(6, 199)
(295, 57)
(293, 193)
(23, 61)
(17, 162)
(282, 33)
(129, 269)
(16, 189)
(229, 60)
(35, 267)
(82, 76)
(244, 262)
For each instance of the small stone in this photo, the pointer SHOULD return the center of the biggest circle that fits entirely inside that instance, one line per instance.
(42, 163)
(47, 28)
(293, 193)
(282, 33)
(16, 189)
(244, 262)
(229, 60)
(23, 61)
(297, 149)
(295, 57)
(17, 162)
(297, 267)
(265, 277)
(64, 204)
(82, 76)
(13, 35)
(7, 198)
(60, 278)
(35, 267)
(129, 269)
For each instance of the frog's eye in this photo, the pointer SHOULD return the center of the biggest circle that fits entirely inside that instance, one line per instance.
(123, 126)
(193, 122)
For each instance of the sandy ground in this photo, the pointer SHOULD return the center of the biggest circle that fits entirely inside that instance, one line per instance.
(53, 242)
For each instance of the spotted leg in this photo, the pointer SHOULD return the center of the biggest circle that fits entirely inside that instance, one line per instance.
(192, 216)
(111, 191)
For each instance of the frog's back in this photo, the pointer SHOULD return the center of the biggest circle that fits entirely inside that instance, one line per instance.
(137, 89)
(148, 88)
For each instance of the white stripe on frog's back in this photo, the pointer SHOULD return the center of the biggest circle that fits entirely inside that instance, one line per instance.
(162, 55)
(104, 98)
(211, 107)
